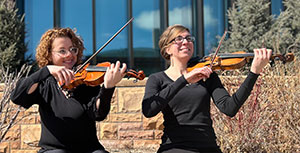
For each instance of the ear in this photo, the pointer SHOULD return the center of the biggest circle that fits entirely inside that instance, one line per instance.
(168, 51)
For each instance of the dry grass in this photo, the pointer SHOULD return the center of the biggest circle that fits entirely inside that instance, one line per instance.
(269, 121)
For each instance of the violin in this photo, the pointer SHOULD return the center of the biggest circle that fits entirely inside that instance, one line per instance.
(93, 75)
(230, 61)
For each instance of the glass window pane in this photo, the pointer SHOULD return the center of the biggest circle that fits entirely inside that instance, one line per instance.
(180, 12)
(38, 19)
(146, 33)
(77, 14)
(111, 15)
(214, 14)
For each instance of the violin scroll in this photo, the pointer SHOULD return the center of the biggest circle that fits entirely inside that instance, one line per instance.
(140, 75)
(289, 57)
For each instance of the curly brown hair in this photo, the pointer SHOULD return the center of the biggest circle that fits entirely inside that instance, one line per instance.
(43, 50)
(167, 36)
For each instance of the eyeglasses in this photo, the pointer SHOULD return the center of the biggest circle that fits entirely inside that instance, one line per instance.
(179, 39)
(72, 50)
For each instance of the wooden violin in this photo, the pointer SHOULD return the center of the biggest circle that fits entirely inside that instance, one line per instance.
(229, 61)
(93, 75)
(236, 60)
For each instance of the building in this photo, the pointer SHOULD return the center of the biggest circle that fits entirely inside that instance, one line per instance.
(137, 45)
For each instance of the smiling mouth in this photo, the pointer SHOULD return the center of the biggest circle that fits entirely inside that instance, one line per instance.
(185, 49)
(68, 62)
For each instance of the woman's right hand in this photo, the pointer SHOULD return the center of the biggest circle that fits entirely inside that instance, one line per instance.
(62, 74)
(197, 74)
(114, 74)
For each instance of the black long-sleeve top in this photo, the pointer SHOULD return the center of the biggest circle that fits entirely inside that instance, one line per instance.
(186, 108)
(67, 122)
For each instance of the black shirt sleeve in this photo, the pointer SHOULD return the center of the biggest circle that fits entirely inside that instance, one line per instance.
(227, 104)
(155, 98)
(20, 94)
(105, 96)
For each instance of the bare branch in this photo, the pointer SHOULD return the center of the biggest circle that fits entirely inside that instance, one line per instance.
(8, 111)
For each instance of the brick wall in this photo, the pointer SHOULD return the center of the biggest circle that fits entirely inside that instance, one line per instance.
(124, 130)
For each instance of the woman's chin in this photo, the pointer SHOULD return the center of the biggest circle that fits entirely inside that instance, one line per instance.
(69, 66)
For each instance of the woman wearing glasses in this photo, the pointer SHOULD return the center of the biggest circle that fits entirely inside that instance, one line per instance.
(68, 121)
(184, 97)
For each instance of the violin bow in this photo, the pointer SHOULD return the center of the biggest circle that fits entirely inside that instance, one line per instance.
(88, 60)
(217, 50)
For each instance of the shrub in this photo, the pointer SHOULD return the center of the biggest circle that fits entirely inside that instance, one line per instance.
(269, 119)
(12, 46)
(9, 111)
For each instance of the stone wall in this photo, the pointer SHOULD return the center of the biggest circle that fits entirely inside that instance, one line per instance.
(124, 130)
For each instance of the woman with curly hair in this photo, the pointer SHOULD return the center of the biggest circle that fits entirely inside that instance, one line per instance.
(184, 97)
(67, 120)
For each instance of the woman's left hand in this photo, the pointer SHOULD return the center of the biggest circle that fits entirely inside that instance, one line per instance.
(261, 59)
(114, 74)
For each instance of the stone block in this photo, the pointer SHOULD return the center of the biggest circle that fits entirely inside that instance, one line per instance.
(130, 126)
(20, 117)
(114, 97)
(113, 108)
(25, 151)
(13, 134)
(131, 82)
(117, 144)
(30, 119)
(4, 147)
(108, 131)
(133, 135)
(38, 119)
(158, 134)
(134, 117)
(30, 136)
(155, 122)
(146, 144)
(15, 144)
(130, 99)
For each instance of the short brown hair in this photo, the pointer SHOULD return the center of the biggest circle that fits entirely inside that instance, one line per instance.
(167, 36)
(43, 50)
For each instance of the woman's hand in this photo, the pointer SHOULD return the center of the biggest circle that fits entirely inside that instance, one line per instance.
(197, 74)
(261, 59)
(114, 74)
(62, 74)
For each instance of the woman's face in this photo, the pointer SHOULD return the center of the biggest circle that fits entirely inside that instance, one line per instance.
(63, 53)
(182, 47)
